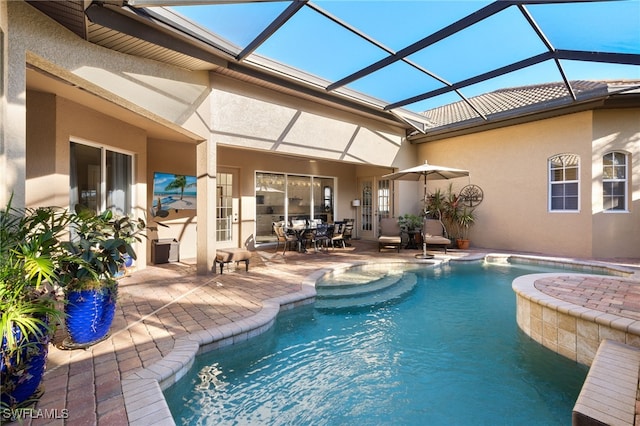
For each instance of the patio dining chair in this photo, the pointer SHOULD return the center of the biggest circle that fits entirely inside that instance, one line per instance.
(322, 235)
(347, 232)
(284, 237)
(337, 237)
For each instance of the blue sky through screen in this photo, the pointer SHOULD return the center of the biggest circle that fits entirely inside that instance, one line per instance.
(316, 45)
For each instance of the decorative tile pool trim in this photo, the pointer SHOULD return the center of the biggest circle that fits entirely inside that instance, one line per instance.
(566, 328)
(142, 390)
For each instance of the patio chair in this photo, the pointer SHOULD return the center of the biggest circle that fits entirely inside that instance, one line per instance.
(337, 237)
(435, 234)
(347, 232)
(390, 234)
(284, 237)
(309, 232)
(322, 236)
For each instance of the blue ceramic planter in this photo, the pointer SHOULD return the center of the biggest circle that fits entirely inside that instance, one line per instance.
(89, 315)
(20, 382)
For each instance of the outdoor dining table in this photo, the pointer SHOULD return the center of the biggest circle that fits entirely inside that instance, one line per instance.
(301, 231)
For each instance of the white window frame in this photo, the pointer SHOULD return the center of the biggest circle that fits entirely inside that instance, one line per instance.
(563, 182)
(103, 171)
(624, 180)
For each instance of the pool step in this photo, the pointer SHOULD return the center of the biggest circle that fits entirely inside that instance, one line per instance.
(377, 292)
(358, 284)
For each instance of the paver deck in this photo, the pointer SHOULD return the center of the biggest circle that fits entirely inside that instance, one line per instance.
(160, 307)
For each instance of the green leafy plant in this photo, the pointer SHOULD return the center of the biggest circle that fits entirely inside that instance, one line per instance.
(30, 256)
(466, 218)
(102, 242)
(410, 222)
(447, 207)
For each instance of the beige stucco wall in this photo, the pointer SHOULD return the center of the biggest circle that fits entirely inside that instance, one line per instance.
(259, 118)
(5, 181)
(172, 93)
(53, 122)
(510, 165)
(180, 158)
(616, 234)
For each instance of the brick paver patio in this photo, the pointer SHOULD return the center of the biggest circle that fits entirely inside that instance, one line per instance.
(161, 304)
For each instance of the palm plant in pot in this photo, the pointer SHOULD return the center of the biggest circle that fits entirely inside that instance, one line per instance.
(465, 218)
(103, 242)
(30, 254)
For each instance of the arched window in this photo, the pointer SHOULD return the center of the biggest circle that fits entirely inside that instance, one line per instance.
(614, 181)
(564, 173)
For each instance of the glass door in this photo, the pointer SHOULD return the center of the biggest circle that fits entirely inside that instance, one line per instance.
(282, 197)
(227, 206)
(376, 202)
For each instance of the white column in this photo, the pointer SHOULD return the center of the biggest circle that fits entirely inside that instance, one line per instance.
(206, 206)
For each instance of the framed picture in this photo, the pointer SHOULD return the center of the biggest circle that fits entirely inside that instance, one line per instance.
(173, 192)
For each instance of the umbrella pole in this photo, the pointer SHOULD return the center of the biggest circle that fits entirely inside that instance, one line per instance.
(424, 254)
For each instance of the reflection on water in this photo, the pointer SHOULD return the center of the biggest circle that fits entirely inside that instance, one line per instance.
(449, 352)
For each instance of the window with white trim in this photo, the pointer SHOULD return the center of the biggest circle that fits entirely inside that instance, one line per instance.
(614, 181)
(564, 172)
(101, 179)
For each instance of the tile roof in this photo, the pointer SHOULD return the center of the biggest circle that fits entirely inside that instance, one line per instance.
(517, 101)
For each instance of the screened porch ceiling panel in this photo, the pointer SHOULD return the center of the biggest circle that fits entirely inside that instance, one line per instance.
(392, 59)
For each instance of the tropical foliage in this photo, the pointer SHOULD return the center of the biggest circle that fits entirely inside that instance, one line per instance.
(38, 256)
(410, 222)
(447, 207)
(102, 242)
(30, 255)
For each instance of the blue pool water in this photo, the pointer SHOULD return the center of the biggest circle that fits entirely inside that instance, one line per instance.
(447, 352)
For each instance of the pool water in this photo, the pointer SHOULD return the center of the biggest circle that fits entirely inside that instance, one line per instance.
(447, 352)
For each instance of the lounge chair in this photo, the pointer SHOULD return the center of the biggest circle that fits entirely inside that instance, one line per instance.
(435, 234)
(390, 234)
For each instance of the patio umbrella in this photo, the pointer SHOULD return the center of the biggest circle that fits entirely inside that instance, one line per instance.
(428, 171)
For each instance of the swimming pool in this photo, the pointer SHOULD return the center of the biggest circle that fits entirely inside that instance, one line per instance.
(447, 350)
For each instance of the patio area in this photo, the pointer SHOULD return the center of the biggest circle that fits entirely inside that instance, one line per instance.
(164, 308)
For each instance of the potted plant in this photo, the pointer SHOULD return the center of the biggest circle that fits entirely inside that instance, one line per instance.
(30, 253)
(465, 218)
(103, 242)
(443, 206)
(410, 222)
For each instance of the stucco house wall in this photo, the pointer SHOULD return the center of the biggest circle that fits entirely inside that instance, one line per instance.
(236, 124)
(235, 114)
(616, 233)
(510, 165)
(248, 116)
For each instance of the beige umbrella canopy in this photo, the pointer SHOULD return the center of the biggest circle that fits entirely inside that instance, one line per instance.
(428, 171)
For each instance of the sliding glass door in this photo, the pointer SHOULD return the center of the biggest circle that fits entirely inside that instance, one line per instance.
(283, 197)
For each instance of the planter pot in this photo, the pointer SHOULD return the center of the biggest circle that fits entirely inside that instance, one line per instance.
(126, 266)
(20, 381)
(89, 316)
(463, 244)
